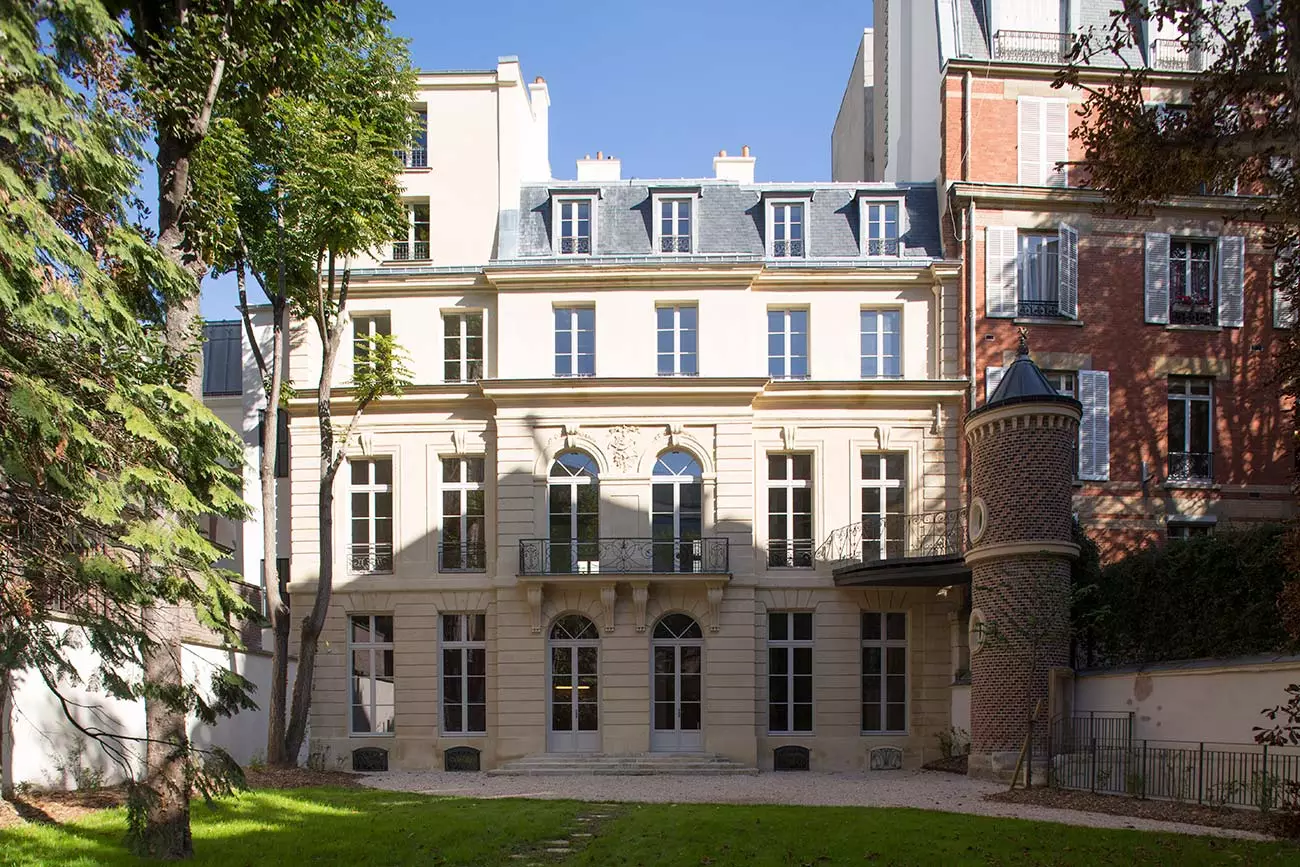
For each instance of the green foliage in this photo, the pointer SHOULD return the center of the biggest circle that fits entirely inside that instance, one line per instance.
(105, 467)
(1209, 596)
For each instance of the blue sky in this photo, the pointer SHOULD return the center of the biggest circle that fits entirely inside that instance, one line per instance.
(663, 86)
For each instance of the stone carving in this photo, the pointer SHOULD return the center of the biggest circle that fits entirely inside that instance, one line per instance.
(886, 759)
(788, 434)
(458, 441)
(607, 597)
(640, 596)
(568, 431)
(675, 431)
(623, 446)
(369, 759)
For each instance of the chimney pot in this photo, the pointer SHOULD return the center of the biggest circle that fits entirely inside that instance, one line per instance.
(586, 156)
(600, 155)
(744, 151)
(539, 80)
(722, 153)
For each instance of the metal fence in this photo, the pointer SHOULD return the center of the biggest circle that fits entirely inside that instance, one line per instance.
(897, 537)
(1098, 752)
(623, 556)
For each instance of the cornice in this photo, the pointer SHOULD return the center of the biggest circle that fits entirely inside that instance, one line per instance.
(1054, 198)
(632, 389)
(856, 273)
(1051, 548)
(1048, 72)
(579, 274)
(813, 391)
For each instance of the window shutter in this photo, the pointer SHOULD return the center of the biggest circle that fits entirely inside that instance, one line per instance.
(1056, 145)
(1030, 140)
(1067, 296)
(1232, 278)
(1094, 426)
(992, 376)
(1283, 315)
(1000, 271)
(1157, 278)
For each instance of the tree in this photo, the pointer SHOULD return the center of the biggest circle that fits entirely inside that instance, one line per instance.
(105, 464)
(287, 193)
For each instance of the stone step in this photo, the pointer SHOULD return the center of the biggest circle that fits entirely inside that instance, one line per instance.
(637, 764)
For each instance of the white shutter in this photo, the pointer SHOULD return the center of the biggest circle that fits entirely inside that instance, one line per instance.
(1056, 141)
(992, 376)
(1094, 426)
(1030, 140)
(1283, 315)
(1232, 279)
(1000, 271)
(1157, 278)
(1067, 258)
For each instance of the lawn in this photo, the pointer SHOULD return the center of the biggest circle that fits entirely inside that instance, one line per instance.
(364, 827)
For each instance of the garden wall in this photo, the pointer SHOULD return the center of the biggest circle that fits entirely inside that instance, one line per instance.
(1215, 700)
(48, 752)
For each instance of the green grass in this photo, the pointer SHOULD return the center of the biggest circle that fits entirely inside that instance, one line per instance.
(363, 827)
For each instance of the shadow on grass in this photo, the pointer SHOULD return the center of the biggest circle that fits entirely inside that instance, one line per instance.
(313, 826)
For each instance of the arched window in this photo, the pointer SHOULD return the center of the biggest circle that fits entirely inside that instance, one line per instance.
(573, 496)
(677, 625)
(677, 516)
(574, 671)
(573, 627)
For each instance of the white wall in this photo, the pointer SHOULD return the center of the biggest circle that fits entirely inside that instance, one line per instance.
(43, 738)
(1215, 701)
(851, 136)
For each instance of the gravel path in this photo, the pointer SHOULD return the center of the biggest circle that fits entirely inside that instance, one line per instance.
(925, 790)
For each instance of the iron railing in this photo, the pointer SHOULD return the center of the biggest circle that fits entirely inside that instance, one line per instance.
(787, 249)
(674, 243)
(1193, 313)
(1032, 46)
(1038, 309)
(1175, 55)
(1099, 753)
(882, 247)
(415, 158)
(462, 557)
(371, 559)
(622, 556)
(790, 553)
(579, 244)
(897, 537)
(406, 250)
(1191, 466)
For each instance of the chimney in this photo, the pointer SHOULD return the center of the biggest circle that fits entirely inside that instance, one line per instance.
(538, 158)
(739, 169)
(601, 169)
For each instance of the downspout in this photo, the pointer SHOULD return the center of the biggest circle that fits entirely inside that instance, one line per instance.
(965, 125)
(970, 233)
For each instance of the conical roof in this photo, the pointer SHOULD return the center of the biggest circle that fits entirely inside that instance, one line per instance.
(1024, 382)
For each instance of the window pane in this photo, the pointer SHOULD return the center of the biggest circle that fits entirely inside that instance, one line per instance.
(801, 466)
(360, 628)
(384, 632)
(383, 472)
(896, 627)
(777, 624)
(896, 717)
(451, 628)
(803, 631)
(870, 626)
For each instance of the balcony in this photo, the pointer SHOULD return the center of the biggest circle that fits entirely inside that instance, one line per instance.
(1175, 55)
(404, 251)
(674, 243)
(462, 557)
(1032, 46)
(1191, 467)
(373, 559)
(416, 158)
(925, 549)
(1193, 311)
(625, 556)
(882, 247)
(790, 553)
(787, 249)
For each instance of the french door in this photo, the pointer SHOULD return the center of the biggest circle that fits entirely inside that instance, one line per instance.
(677, 517)
(677, 711)
(573, 679)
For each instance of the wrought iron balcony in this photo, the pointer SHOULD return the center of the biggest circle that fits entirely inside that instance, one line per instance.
(1039, 309)
(624, 556)
(1032, 46)
(790, 553)
(406, 250)
(1176, 55)
(787, 249)
(462, 557)
(579, 244)
(1191, 466)
(674, 243)
(415, 158)
(1195, 312)
(882, 246)
(897, 537)
(371, 559)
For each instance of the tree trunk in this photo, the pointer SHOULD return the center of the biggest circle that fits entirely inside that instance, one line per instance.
(6, 739)
(277, 603)
(167, 828)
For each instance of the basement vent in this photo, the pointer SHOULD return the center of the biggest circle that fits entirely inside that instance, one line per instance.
(370, 759)
(460, 759)
(886, 759)
(790, 758)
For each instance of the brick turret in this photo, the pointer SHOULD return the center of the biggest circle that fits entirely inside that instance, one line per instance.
(1021, 444)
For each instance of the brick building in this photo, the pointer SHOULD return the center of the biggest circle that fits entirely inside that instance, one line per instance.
(1163, 325)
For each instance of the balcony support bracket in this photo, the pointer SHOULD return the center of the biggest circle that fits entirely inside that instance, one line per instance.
(640, 596)
(715, 605)
(607, 597)
(535, 607)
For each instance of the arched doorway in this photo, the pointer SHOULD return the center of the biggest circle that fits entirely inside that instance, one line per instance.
(573, 506)
(677, 514)
(573, 724)
(677, 699)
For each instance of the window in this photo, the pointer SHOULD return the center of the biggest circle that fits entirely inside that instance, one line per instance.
(464, 674)
(786, 232)
(789, 510)
(1038, 279)
(414, 243)
(573, 506)
(464, 527)
(884, 506)
(372, 515)
(676, 512)
(1184, 530)
(880, 344)
(370, 646)
(787, 344)
(1043, 141)
(281, 441)
(1191, 282)
(674, 225)
(1190, 436)
(574, 227)
(789, 671)
(364, 331)
(678, 332)
(417, 155)
(884, 672)
(575, 341)
(462, 347)
(1066, 382)
(881, 221)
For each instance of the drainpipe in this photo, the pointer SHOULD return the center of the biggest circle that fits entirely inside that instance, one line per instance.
(965, 125)
(970, 297)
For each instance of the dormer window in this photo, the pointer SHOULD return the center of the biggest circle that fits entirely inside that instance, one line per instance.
(674, 224)
(786, 233)
(882, 227)
(574, 226)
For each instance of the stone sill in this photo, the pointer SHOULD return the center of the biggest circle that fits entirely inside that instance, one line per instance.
(418, 170)
(1192, 486)
(1043, 320)
(1206, 329)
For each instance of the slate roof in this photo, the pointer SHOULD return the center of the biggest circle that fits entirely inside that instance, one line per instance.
(730, 217)
(223, 358)
(1024, 382)
(1094, 15)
